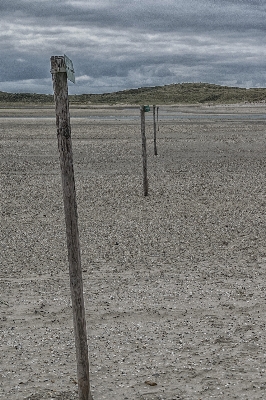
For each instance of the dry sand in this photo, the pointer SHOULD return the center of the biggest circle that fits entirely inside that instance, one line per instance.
(174, 283)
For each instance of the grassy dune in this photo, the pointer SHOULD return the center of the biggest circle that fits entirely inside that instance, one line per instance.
(184, 93)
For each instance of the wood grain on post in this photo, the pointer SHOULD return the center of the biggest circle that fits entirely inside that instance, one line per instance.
(154, 131)
(71, 218)
(144, 151)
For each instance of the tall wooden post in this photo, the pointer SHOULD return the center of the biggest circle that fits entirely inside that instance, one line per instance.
(59, 76)
(144, 151)
(158, 118)
(154, 131)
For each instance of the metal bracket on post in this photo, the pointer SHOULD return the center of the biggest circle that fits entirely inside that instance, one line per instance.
(63, 64)
(146, 108)
(69, 69)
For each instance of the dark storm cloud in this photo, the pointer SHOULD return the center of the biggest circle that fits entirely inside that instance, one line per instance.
(117, 45)
(158, 16)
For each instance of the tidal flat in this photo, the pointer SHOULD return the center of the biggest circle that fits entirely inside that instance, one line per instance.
(174, 282)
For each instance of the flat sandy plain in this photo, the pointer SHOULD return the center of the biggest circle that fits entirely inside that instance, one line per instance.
(174, 282)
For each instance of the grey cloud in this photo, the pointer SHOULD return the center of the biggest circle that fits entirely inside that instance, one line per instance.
(13, 67)
(119, 45)
(157, 16)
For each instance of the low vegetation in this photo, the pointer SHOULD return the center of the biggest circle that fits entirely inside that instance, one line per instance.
(25, 98)
(181, 93)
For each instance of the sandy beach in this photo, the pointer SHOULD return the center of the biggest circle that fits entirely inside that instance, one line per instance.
(173, 282)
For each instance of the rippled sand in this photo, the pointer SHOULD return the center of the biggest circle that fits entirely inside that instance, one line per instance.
(174, 283)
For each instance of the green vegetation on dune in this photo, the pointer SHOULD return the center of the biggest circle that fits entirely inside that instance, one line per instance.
(182, 93)
(25, 98)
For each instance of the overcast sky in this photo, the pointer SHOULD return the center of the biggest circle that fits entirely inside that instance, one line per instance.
(121, 44)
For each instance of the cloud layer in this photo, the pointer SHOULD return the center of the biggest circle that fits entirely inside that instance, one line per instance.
(116, 45)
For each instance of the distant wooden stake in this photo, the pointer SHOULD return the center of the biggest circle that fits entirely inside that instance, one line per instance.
(144, 152)
(154, 131)
(158, 118)
(71, 218)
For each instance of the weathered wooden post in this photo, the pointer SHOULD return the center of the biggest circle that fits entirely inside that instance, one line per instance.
(158, 118)
(61, 69)
(154, 131)
(144, 109)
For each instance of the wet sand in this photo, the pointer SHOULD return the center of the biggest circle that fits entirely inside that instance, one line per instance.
(174, 283)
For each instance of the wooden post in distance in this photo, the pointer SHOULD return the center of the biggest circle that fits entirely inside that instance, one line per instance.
(59, 76)
(154, 131)
(144, 151)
